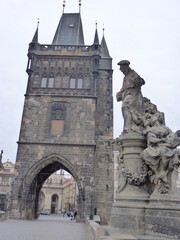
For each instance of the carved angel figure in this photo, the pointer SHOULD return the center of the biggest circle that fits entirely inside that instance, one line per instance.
(161, 153)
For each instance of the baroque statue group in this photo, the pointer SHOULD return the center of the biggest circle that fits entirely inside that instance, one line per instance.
(161, 157)
(147, 201)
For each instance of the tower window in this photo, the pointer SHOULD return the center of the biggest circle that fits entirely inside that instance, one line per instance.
(72, 83)
(107, 117)
(108, 144)
(107, 129)
(51, 83)
(76, 83)
(44, 82)
(29, 64)
(79, 83)
(107, 158)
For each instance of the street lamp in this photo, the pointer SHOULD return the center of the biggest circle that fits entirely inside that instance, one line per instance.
(91, 206)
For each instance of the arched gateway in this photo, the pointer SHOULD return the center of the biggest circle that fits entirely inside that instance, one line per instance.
(37, 175)
(67, 120)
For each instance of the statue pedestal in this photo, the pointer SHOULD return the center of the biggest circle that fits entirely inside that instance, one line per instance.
(132, 198)
(162, 217)
(138, 209)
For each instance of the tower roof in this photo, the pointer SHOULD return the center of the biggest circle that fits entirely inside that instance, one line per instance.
(69, 30)
(96, 38)
(35, 38)
(104, 48)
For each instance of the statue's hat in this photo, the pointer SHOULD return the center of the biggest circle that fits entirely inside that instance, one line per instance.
(123, 63)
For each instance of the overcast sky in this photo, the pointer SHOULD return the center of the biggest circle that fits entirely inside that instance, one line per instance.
(146, 32)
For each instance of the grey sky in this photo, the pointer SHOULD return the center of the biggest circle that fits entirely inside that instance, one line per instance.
(146, 32)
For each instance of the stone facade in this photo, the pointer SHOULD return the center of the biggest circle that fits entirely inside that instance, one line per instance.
(7, 174)
(67, 123)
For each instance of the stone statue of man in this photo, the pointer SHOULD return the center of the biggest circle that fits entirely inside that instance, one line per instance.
(131, 97)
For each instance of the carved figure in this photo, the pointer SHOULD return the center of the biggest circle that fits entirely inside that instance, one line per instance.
(161, 154)
(131, 97)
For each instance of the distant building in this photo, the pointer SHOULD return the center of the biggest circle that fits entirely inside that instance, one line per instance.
(6, 178)
(58, 194)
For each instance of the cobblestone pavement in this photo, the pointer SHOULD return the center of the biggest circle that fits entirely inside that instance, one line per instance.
(44, 228)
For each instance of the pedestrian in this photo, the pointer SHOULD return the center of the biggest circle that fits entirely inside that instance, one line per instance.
(75, 213)
(72, 215)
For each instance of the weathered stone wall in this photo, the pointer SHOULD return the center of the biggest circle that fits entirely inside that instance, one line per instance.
(79, 124)
(104, 172)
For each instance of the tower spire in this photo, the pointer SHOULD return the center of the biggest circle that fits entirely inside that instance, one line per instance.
(79, 6)
(64, 4)
(96, 38)
(103, 29)
(38, 22)
(35, 38)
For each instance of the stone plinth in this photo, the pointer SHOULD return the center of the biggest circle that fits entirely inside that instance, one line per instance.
(162, 218)
(129, 209)
(139, 209)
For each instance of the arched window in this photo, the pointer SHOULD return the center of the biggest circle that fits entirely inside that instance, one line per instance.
(79, 83)
(51, 82)
(47, 82)
(72, 83)
(76, 83)
(108, 144)
(44, 82)
(107, 158)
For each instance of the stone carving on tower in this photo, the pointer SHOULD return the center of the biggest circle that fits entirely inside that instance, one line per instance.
(148, 165)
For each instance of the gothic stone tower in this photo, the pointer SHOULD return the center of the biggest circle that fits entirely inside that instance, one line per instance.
(67, 121)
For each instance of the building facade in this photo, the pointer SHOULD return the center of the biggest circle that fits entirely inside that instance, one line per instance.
(6, 177)
(67, 120)
(58, 194)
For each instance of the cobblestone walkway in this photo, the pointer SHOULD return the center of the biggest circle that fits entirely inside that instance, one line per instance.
(45, 228)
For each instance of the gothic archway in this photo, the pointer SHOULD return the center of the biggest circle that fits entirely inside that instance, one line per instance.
(37, 175)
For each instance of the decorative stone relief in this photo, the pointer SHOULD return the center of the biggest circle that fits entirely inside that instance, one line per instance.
(133, 177)
(58, 111)
(62, 92)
